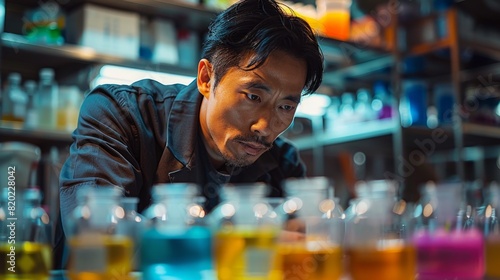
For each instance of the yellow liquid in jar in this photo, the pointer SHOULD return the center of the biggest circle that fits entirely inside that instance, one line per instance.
(31, 261)
(100, 257)
(245, 254)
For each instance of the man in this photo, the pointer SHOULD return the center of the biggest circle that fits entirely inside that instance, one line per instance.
(257, 62)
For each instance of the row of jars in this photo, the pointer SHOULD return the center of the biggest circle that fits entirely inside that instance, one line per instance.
(304, 236)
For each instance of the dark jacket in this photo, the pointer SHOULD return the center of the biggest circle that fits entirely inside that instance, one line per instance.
(147, 133)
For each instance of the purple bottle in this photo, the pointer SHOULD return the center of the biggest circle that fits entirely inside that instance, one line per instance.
(444, 249)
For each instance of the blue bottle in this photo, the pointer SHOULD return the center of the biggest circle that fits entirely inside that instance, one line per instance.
(177, 245)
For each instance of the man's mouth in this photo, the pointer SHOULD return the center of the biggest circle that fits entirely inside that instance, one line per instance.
(253, 148)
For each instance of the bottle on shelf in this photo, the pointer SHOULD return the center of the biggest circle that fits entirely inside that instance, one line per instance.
(70, 100)
(177, 243)
(382, 103)
(31, 120)
(14, 102)
(362, 106)
(346, 111)
(46, 99)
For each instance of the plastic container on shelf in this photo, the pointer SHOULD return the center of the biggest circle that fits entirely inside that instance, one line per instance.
(444, 100)
(318, 217)
(335, 15)
(414, 103)
(45, 24)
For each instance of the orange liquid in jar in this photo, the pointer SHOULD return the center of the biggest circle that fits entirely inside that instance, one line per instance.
(297, 261)
(492, 254)
(394, 263)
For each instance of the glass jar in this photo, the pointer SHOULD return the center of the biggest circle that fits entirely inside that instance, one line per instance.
(25, 236)
(446, 249)
(100, 245)
(177, 243)
(313, 212)
(135, 224)
(491, 229)
(245, 233)
(377, 241)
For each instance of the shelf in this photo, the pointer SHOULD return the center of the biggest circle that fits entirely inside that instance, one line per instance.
(468, 154)
(426, 48)
(486, 49)
(67, 53)
(481, 130)
(378, 128)
(36, 137)
(347, 133)
(193, 16)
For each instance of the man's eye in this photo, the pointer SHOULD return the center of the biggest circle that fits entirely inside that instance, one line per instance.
(288, 107)
(253, 97)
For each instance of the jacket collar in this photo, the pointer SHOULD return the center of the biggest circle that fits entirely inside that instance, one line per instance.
(183, 124)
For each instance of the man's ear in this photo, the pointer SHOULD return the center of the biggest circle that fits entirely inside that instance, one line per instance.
(204, 77)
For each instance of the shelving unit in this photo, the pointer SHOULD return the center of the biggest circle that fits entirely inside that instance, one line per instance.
(460, 148)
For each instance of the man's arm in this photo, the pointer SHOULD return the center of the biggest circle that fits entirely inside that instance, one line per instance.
(102, 151)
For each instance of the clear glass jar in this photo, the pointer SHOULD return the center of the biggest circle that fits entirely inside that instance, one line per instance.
(99, 240)
(446, 248)
(377, 241)
(136, 225)
(177, 243)
(491, 229)
(317, 215)
(25, 236)
(245, 233)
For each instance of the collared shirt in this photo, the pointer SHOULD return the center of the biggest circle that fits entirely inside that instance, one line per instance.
(136, 136)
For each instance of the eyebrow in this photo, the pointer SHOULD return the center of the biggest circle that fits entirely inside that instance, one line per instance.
(260, 86)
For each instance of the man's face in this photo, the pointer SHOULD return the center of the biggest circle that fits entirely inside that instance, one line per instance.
(248, 110)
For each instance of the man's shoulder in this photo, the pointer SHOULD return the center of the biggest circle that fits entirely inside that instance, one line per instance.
(149, 87)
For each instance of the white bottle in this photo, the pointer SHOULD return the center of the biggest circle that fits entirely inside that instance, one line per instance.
(14, 101)
(46, 99)
(31, 120)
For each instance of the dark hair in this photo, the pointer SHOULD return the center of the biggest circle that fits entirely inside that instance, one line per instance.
(259, 27)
